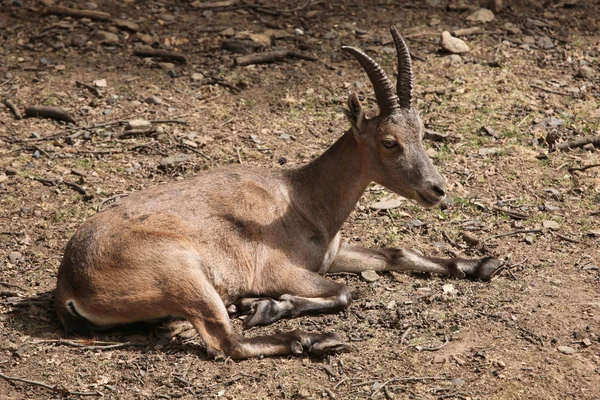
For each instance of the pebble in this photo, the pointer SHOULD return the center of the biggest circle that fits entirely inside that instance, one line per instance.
(99, 83)
(3, 178)
(566, 350)
(330, 35)
(153, 100)
(126, 24)
(585, 72)
(229, 32)
(455, 58)
(482, 15)
(544, 42)
(138, 124)
(439, 359)
(14, 256)
(458, 381)
(107, 37)
(452, 44)
(587, 342)
(551, 225)
(369, 276)
(197, 76)
(448, 289)
(386, 204)
(489, 151)
(528, 39)
(173, 160)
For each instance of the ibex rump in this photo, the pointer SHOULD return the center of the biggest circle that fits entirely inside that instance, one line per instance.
(257, 239)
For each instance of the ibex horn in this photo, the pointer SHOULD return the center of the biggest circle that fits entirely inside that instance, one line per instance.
(384, 89)
(404, 84)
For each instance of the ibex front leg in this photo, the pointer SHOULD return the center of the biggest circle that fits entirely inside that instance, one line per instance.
(357, 259)
(295, 292)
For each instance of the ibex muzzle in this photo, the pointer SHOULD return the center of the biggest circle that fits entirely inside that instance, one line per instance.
(256, 242)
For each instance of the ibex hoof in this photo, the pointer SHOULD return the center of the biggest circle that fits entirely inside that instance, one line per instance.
(486, 268)
(326, 343)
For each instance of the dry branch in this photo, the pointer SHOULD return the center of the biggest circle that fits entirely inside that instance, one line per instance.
(580, 142)
(149, 52)
(71, 12)
(543, 89)
(517, 232)
(55, 388)
(583, 167)
(12, 107)
(270, 57)
(95, 91)
(48, 112)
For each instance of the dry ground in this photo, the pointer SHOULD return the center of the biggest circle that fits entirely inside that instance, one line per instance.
(500, 338)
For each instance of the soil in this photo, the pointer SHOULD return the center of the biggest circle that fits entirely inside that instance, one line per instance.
(503, 106)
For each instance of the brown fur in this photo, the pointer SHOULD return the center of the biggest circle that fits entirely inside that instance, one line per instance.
(194, 247)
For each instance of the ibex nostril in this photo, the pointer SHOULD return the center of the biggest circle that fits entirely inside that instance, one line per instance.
(439, 190)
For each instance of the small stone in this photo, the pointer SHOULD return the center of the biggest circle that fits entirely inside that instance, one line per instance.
(469, 238)
(512, 28)
(369, 276)
(566, 350)
(448, 289)
(197, 76)
(388, 204)
(260, 38)
(153, 100)
(551, 225)
(166, 65)
(144, 38)
(14, 256)
(107, 37)
(585, 72)
(489, 151)
(452, 44)
(482, 15)
(298, 31)
(457, 381)
(173, 161)
(528, 39)
(99, 83)
(586, 342)
(431, 152)
(530, 238)
(138, 124)
(229, 32)
(330, 35)
(126, 24)
(3, 178)
(455, 58)
(284, 136)
(439, 359)
(172, 73)
(414, 223)
(544, 42)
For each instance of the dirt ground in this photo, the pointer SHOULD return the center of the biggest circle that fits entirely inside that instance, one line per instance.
(533, 332)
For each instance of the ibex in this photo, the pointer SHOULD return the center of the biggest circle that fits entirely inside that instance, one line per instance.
(258, 240)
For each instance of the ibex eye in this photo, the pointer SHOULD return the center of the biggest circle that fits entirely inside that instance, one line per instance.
(389, 143)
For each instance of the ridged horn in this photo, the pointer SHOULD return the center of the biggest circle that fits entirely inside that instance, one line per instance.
(384, 89)
(404, 84)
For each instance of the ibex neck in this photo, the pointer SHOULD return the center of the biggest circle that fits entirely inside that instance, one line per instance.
(328, 188)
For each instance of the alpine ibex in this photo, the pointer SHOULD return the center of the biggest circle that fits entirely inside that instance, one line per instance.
(257, 240)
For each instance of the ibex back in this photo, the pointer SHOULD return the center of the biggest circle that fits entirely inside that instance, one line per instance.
(257, 241)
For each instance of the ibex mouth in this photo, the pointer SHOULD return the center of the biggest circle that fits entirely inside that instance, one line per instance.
(428, 200)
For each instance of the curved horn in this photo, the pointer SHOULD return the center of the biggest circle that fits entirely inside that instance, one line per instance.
(384, 89)
(404, 84)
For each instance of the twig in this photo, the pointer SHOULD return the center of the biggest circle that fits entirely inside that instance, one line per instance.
(48, 112)
(511, 213)
(583, 167)
(84, 346)
(595, 140)
(190, 148)
(95, 91)
(12, 107)
(10, 285)
(518, 231)
(405, 334)
(410, 379)
(550, 90)
(71, 12)
(150, 52)
(568, 239)
(55, 388)
(78, 188)
(270, 57)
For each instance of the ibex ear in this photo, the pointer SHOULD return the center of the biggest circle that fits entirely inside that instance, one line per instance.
(355, 113)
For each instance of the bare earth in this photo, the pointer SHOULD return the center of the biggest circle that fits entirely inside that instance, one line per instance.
(412, 335)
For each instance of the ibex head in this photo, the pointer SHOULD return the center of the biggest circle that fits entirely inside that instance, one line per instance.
(392, 142)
